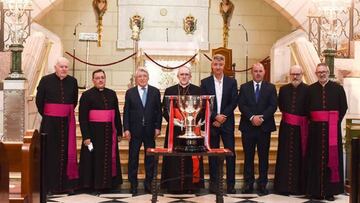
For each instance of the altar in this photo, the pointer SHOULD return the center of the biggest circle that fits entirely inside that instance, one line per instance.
(169, 55)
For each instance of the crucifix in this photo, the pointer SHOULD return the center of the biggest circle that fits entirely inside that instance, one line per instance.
(226, 9)
(100, 7)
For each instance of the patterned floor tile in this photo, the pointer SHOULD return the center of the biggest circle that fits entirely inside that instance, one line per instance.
(81, 198)
(272, 198)
(212, 198)
(147, 198)
(338, 199)
(115, 195)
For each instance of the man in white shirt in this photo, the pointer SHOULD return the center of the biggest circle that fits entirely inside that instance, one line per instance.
(222, 119)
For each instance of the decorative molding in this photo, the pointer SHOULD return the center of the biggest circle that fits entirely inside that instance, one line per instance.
(164, 28)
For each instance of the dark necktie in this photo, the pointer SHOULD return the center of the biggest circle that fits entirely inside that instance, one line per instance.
(257, 92)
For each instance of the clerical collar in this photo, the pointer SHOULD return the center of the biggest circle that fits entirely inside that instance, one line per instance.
(183, 90)
(323, 85)
(99, 89)
(184, 86)
(59, 77)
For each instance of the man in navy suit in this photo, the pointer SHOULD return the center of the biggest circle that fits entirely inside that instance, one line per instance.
(222, 119)
(142, 124)
(257, 103)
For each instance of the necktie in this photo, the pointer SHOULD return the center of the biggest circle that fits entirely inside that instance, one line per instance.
(257, 92)
(143, 97)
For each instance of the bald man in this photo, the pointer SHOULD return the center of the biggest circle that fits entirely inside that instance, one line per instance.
(181, 174)
(56, 98)
(257, 104)
(293, 132)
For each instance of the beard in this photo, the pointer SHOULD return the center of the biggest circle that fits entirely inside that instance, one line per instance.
(295, 83)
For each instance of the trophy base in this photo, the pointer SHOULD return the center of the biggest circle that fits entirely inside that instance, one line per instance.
(190, 144)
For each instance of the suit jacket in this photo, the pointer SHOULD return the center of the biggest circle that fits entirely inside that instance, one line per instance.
(266, 106)
(135, 114)
(228, 100)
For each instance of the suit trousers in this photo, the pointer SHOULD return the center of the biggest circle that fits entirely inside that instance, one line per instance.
(256, 138)
(147, 137)
(227, 136)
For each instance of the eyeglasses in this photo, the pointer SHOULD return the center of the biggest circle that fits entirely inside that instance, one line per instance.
(321, 72)
(295, 74)
(184, 74)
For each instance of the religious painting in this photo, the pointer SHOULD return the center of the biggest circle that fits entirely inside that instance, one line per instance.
(189, 24)
(136, 24)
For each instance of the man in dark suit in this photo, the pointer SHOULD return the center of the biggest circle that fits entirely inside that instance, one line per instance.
(257, 103)
(142, 123)
(222, 119)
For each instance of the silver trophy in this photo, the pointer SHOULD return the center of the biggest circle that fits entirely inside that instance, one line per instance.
(187, 115)
(190, 107)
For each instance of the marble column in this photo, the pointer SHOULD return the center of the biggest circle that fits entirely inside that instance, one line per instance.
(14, 110)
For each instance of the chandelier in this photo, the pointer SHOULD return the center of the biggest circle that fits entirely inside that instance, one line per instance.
(330, 8)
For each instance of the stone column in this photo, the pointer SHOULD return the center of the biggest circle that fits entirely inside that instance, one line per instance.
(14, 110)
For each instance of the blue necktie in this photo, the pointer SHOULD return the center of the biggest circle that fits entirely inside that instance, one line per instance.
(257, 92)
(143, 97)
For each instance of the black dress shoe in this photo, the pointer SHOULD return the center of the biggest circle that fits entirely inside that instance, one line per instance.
(231, 190)
(330, 198)
(262, 191)
(133, 190)
(247, 189)
(212, 189)
(147, 188)
(71, 192)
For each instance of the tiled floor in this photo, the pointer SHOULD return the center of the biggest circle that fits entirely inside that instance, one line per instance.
(168, 198)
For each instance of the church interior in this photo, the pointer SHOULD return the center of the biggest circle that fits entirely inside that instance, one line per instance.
(120, 35)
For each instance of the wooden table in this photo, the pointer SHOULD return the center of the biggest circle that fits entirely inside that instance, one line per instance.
(220, 153)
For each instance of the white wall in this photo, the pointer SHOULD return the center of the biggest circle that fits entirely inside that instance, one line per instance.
(265, 25)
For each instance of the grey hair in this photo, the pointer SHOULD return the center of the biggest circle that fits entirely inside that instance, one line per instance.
(141, 69)
(62, 59)
(296, 66)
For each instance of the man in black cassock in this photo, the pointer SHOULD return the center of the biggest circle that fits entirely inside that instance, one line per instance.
(181, 174)
(56, 98)
(142, 124)
(289, 172)
(101, 130)
(327, 108)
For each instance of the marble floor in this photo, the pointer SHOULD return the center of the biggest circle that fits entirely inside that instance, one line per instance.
(188, 198)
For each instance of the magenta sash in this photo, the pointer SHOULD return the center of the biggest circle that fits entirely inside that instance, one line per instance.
(66, 110)
(301, 121)
(107, 116)
(332, 117)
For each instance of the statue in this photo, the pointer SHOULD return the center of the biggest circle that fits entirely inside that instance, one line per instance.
(136, 24)
(100, 7)
(226, 10)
